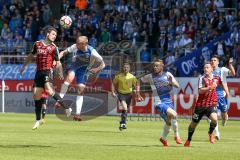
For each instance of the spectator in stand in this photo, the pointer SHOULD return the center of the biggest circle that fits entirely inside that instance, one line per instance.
(41, 35)
(170, 58)
(238, 70)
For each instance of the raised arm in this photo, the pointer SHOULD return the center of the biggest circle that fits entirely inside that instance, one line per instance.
(29, 58)
(96, 57)
(231, 68)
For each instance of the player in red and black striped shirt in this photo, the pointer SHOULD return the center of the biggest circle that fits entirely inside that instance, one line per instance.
(46, 53)
(206, 103)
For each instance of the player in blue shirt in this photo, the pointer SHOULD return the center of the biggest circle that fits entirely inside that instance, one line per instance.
(222, 91)
(162, 83)
(83, 59)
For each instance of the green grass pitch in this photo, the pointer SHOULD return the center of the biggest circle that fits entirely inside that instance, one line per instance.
(100, 139)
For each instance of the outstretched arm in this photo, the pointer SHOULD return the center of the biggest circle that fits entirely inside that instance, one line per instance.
(59, 69)
(29, 59)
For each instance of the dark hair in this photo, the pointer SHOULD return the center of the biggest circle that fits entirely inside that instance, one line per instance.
(50, 29)
(215, 56)
(207, 62)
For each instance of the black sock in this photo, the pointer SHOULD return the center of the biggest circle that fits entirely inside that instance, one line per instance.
(43, 113)
(190, 132)
(38, 108)
(123, 117)
(212, 127)
(59, 100)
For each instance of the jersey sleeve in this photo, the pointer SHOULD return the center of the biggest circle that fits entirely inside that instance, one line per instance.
(225, 73)
(96, 56)
(115, 79)
(146, 78)
(56, 54)
(134, 80)
(201, 83)
(71, 49)
(170, 75)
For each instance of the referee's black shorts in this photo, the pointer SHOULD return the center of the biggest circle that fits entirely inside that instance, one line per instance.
(42, 77)
(199, 112)
(125, 97)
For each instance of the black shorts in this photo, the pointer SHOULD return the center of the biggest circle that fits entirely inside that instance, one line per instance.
(199, 112)
(125, 97)
(44, 101)
(42, 77)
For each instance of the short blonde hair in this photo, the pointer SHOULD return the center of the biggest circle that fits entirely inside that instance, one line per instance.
(82, 38)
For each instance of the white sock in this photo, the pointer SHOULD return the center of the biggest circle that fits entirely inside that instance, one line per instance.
(166, 130)
(175, 127)
(216, 131)
(64, 89)
(79, 103)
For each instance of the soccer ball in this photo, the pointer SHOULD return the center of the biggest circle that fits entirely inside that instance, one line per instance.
(65, 21)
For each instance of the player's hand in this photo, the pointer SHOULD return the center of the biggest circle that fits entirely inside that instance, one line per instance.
(60, 76)
(170, 80)
(139, 98)
(22, 69)
(227, 95)
(94, 70)
(230, 61)
(114, 94)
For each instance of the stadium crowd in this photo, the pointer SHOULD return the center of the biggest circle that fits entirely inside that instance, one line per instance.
(170, 28)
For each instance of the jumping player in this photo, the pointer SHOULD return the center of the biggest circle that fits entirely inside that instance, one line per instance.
(46, 52)
(206, 103)
(162, 83)
(83, 58)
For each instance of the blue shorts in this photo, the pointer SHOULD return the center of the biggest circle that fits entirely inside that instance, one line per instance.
(163, 107)
(222, 104)
(80, 74)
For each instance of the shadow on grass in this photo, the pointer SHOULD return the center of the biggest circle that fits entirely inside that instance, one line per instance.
(24, 146)
(140, 146)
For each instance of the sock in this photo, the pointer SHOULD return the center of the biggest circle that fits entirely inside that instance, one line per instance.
(38, 108)
(43, 113)
(64, 89)
(59, 100)
(79, 103)
(216, 130)
(175, 127)
(190, 133)
(123, 117)
(166, 130)
(212, 127)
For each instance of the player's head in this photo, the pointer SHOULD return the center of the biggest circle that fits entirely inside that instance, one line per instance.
(51, 34)
(158, 66)
(126, 67)
(208, 68)
(215, 61)
(82, 42)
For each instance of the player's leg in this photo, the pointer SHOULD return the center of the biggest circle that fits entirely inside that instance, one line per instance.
(37, 93)
(172, 117)
(125, 102)
(211, 113)
(49, 90)
(79, 101)
(196, 117)
(44, 108)
(224, 113)
(162, 109)
(81, 79)
(222, 107)
(64, 88)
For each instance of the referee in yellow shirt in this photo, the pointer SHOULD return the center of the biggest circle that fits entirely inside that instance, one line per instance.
(122, 88)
